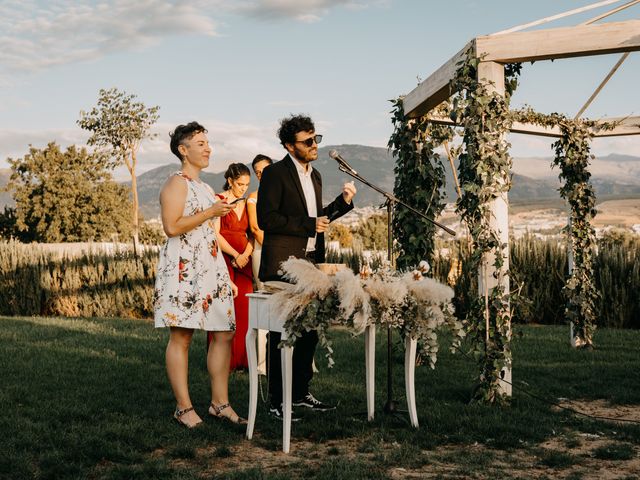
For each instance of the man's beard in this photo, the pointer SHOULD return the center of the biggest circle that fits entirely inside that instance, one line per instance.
(305, 158)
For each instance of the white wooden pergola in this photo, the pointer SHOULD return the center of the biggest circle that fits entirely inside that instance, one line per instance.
(513, 46)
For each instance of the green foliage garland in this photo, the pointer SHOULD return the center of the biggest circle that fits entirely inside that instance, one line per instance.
(485, 174)
(419, 181)
(572, 156)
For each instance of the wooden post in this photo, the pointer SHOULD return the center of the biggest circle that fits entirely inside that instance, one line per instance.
(493, 73)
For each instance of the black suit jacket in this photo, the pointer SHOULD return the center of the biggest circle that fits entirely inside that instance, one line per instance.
(283, 215)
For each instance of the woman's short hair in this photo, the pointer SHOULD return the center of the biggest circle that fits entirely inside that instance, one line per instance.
(290, 126)
(182, 133)
(260, 158)
(235, 171)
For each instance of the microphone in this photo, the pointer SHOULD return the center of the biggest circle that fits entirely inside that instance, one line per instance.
(341, 161)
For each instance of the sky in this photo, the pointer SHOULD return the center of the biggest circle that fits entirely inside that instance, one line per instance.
(238, 67)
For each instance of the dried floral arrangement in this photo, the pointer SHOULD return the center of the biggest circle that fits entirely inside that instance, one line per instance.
(416, 305)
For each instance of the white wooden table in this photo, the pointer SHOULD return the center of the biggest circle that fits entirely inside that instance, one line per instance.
(260, 317)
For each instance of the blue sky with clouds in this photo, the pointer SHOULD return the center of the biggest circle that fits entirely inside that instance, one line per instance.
(239, 66)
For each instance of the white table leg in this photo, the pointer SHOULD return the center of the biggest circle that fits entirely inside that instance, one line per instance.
(370, 368)
(262, 352)
(250, 341)
(409, 378)
(286, 357)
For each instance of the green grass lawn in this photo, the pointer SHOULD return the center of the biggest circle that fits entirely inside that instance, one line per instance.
(89, 398)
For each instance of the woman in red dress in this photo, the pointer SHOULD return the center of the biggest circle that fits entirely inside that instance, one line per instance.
(234, 237)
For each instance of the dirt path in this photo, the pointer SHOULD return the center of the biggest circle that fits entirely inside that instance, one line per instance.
(569, 454)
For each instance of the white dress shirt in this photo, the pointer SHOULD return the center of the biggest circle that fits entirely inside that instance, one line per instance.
(309, 196)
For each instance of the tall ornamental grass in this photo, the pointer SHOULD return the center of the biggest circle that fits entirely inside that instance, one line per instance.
(538, 269)
(36, 282)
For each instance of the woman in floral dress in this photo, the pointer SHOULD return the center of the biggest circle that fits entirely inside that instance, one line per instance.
(193, 289)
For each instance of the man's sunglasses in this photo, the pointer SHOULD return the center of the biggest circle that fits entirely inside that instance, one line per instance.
(309, 141)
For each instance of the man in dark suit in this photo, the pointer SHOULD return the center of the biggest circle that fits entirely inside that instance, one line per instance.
(291, 214)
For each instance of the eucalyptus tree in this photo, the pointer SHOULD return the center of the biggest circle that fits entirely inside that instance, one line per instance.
(118, 124)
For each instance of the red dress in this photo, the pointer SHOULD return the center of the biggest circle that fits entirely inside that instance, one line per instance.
(236, 232)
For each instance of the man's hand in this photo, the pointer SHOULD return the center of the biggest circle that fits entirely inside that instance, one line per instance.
(348, 191)
(322, 223)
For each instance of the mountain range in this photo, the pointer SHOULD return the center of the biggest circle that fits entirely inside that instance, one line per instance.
(533, 178)
(614, 175)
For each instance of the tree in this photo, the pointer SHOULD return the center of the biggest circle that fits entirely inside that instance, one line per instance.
(8, 227)
(66, 196)
(151, 233)
(118, 125)
(372, 233)
(340, 233)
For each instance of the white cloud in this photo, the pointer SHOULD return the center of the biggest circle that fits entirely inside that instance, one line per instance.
(624, 145)
(231, 143)
(307, 11)
(530, 146)
(12, 103)
(286, 103)
(37, 36)
(533, 146)
(15, 143)
(240, 142)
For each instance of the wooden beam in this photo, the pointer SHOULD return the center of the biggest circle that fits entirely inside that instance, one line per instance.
(581, 40)
(610, 12)
(627, 126)
(557, 17)
(602, 84)
(434, 90)
(549, 44)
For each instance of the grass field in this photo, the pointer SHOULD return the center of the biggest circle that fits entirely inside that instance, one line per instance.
(89, 398)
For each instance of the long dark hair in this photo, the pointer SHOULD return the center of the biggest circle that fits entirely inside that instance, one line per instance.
(235, 171)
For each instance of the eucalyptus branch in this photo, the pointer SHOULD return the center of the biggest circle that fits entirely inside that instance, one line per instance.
(572, 157)
(419, 181)
(485, 175)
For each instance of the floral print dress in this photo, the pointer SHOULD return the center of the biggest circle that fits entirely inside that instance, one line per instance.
(193, 288)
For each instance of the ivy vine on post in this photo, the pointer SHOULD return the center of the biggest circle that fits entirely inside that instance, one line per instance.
(419, 181)
(572, 156)
(485, 175)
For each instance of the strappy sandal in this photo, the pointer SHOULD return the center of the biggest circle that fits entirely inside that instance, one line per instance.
(238, 420)
(177, 415)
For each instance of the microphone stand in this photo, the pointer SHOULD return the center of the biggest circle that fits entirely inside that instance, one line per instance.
(391, 406)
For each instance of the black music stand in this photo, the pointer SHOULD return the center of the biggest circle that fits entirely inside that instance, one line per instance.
(391, 406)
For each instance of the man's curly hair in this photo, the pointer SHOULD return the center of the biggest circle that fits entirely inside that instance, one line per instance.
(292, 125)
